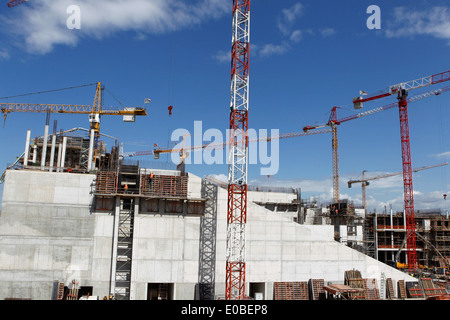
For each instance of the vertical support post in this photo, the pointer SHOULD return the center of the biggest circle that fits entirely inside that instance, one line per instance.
(112, 284)
(44, 148)
(52, 152)
(63, 153)
(407, 181)
(58, 163)
(133, 265)
(333, 123)
(364, 193)
(34, 153)
(237, 170)
(91, 150)
(27, 148)
(335, 150)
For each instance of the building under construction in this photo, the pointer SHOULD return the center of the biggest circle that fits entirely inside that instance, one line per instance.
(121, 230)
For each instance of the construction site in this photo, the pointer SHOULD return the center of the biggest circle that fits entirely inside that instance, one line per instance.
(82, 220)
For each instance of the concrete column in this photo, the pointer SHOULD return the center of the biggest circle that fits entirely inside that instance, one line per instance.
(58, 163)
(91, 150)
(34, 154)
(134, 250)
(52, 152)
(112, 284)
(27, 148)
(44, 148)
(63, 153)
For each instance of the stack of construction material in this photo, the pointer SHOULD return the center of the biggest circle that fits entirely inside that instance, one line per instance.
(291, 291)
(317, 291)
(430, 289)
(390, 289)
(401, 289)
(342, 291)
(369, 287)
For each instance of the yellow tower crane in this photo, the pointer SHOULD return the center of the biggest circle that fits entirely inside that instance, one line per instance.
(365, 181)
(95, 112)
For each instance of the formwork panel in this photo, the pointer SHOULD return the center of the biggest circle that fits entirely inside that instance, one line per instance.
(291, 290)
(164, 186)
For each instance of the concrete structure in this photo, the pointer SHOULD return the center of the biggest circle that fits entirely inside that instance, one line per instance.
(51, 229)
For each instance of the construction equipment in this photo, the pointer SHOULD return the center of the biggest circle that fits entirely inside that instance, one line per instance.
(333, 122)
(183, 150)
(13, 3)
(237, 170)
(400, 265)
(445, 260)
(402, 90)
(365, 181)
(95, 112)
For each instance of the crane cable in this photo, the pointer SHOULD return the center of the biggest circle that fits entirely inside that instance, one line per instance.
(47, 91)
(441, 148)
(170, 91)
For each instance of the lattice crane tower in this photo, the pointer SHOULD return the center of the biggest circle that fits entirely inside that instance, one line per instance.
(237, 169)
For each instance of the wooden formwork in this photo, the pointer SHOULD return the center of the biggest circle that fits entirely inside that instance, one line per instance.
(431, 289)
(371, 291)
(106, 182)
(164, 186)
(390, 288)
(291, 291)
(353, 279)
(401, 289)
(316, 289)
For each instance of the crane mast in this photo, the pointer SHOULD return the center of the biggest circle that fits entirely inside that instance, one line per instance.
(237, 169)
(408, 197)
(402, 90)
(365, 181)
(14, 3)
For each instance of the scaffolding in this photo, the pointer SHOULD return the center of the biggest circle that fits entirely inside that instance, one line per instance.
(207, 248)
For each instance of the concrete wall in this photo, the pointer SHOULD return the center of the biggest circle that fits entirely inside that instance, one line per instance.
(279, 249)
(48, 232)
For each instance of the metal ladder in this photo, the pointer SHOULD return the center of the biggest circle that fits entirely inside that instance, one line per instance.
(124, 250)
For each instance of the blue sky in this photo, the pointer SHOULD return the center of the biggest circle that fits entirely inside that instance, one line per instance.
(306, 57)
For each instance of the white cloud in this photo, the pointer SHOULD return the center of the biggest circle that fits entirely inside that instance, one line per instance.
(433, 22)
(222, 56)
(326, 32)
(442, 155)
(41, 25)
(4, 54)
(270, 49)
(288, 17)
(296, 36)
(286, 21)
(381, 193)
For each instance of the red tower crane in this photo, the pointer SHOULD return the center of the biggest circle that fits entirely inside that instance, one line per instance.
(14, 3)
(402, 90)
(237, 170)
(333, 122)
